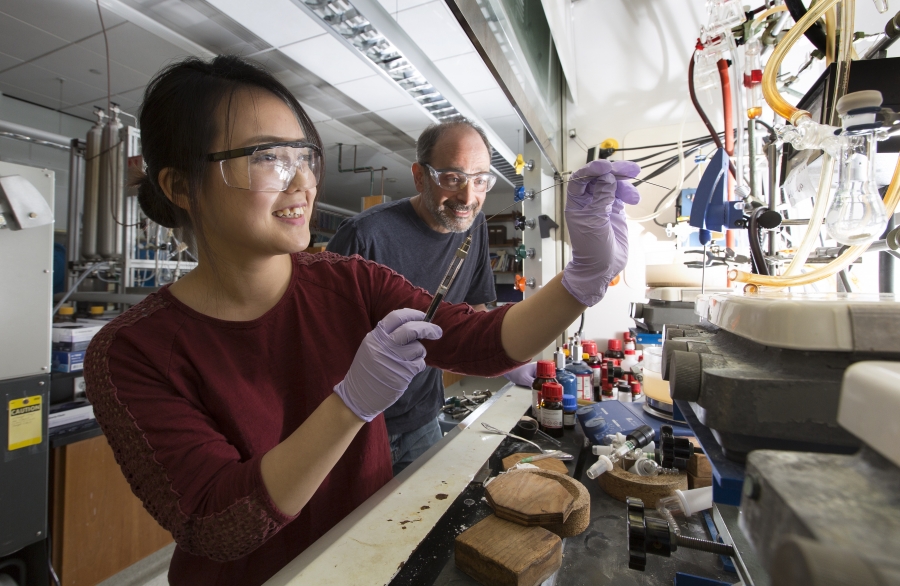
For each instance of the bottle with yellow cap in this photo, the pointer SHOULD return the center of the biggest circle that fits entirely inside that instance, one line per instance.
(66, 314)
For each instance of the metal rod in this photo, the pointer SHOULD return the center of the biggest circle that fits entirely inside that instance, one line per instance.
(772, 155)
(751, 156)
(73, 240)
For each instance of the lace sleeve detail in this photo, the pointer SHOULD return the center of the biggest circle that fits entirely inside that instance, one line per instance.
(222, 536)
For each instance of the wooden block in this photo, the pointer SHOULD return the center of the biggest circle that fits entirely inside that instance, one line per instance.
(580, 517)
(698, 481)
(698, 465)
(529, 499)
(545, 464)
(621, 484)
(499, 553)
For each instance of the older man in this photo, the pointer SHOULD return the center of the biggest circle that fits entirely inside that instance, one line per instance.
(418, 237)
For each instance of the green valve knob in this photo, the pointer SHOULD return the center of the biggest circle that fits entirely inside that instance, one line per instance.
(523, 253)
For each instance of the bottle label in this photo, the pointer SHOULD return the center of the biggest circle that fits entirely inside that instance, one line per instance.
(552, 418)
(568, 419)
(584, 388)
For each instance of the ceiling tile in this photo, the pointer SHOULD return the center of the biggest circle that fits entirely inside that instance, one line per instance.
(406, 118)
(74, 63)
(314, 114)
(375, 129)
(342, 63)
(375, 93)
(510, 130)
(7, 61)
(467, 73)
(489, 103)
(46, 83)
(435, 30)
(23, 41)
(21, 93)
(71, 20)
(395, 6)
(132, 46)
(278, 22)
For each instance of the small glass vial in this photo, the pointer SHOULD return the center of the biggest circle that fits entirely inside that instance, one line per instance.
(552, 409)
(570, 407)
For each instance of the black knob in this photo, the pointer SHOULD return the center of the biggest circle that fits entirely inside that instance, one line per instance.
(674, 451)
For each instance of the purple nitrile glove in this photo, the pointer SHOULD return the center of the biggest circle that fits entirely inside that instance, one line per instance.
(595, 217)
(524, 375)
(388, 358)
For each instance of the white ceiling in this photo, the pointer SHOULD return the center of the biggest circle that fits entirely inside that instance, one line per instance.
(52, 53)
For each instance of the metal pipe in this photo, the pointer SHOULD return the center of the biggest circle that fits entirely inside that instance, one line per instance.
(772, 155)
(30, 134)
(751, 156)
(355, 169)
(891, 33)
(73, 240)
(334, 209)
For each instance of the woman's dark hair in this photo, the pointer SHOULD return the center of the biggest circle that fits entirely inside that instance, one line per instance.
(179, 124)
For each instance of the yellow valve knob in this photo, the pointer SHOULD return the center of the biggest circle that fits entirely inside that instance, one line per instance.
(609, 143)
(519, 164)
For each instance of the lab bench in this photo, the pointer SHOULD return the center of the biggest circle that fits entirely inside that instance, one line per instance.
(421, 552)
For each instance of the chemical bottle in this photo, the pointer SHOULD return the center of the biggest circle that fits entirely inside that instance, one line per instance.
(66, 314)
(606, 393)
(546, 373)
(637, 395)
(629, 341)
(583, 373)
(614, 349)
(624, 391)
(568, 380)
(629, 361)
(552, 409)
(570, 407)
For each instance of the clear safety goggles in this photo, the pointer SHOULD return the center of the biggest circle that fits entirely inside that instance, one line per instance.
(270, 167)
(457, 180)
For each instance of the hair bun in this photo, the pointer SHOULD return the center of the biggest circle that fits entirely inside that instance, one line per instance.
(156, 205)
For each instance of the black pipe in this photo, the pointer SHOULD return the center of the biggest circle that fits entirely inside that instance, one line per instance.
(815, 33)
(755, 249)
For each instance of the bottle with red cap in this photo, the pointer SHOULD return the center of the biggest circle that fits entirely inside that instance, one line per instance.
(546, 373)
(552, 409)
(629, 341)
(595, 361)
(636, 394)
(614, 349)
(630, 360)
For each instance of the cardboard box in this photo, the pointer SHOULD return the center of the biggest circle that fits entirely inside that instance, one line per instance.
(698, 481)
(67, 333)
(67, 361)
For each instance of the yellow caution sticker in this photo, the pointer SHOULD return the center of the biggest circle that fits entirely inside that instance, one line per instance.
(25, 422)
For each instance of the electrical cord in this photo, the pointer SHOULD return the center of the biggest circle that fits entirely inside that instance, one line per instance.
(702, 113)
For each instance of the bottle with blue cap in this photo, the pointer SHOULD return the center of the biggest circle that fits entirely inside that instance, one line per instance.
(570, 406)
(568, 380)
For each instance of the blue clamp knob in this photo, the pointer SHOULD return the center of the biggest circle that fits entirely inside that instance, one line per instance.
(711, 210)
(519, 194)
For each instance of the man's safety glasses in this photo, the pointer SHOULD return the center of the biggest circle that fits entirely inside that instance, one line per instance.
(457, 180)
(270, 167)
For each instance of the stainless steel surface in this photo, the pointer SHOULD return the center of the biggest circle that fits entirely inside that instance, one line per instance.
(91, 193)
(26, 273)
(749, 569)
(110, 204)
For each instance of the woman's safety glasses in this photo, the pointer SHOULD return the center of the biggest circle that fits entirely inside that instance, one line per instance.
(457, 180)
(270, 167)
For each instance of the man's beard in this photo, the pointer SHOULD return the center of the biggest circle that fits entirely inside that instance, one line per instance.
(444, 214)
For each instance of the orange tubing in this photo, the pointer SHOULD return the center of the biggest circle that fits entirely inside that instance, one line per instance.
(722, 65)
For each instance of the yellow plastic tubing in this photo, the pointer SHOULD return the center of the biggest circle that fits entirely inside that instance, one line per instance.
(891, 199)
(770, 74)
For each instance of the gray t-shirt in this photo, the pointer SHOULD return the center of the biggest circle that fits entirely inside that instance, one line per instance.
(394, 235)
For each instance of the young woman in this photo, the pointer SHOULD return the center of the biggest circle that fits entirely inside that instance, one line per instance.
(243, 402)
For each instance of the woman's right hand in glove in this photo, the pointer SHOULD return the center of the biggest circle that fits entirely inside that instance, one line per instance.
(385, 363)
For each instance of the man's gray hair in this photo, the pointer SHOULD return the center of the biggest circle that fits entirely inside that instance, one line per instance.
(431, 135)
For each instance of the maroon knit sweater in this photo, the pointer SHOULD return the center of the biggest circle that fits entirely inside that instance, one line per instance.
(190, 404)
